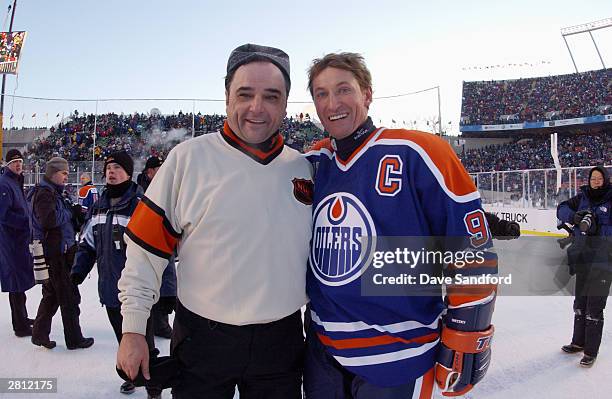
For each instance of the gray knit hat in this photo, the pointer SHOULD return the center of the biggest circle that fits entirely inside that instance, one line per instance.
(253, 52)
(54, 165)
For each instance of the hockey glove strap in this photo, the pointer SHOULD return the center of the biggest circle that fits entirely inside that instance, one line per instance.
(465, 352)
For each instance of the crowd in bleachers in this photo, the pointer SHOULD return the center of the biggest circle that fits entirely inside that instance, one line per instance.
(142, 135)
(537, 99)
(534, 153)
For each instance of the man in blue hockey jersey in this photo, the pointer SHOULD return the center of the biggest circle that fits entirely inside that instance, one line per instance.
(376, 182)
(88, 193)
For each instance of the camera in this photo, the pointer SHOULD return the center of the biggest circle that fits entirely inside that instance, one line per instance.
(586, 222)
(41, 269)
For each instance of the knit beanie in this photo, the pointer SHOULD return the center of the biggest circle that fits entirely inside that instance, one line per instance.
(253, 52)
(154, 162)
(13, 155)
(122, 159)
(55, 164)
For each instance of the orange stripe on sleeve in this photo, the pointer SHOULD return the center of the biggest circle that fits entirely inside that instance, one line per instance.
(456, 178)
(353, 343)
(147, 228)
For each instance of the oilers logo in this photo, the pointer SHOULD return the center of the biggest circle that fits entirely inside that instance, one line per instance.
(343, 239)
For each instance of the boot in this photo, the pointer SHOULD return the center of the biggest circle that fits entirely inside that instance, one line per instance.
(594, 330)
(127, 388)
(24, 333)
(47, 344)
(587, 361)
(83, 344)
(572, 348)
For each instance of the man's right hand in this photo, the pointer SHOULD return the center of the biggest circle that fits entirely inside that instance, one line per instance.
(133, 354)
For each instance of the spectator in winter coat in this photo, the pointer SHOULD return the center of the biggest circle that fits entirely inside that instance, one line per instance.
(52, 225)
(102, 243)
(590, 212)
(16, 273)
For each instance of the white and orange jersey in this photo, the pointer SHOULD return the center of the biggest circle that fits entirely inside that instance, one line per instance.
(240, 218)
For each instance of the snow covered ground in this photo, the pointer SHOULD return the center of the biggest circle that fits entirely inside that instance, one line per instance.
(527, 360)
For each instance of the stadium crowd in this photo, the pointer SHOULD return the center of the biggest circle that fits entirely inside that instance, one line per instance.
(534, 153)
(143, 135)
(537, 99)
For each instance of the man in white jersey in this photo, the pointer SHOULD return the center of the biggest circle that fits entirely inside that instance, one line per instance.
(237, 204)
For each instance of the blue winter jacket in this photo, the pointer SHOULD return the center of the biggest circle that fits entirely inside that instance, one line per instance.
(102, 241)
(590, 248)
(63, 219)
(16, 272)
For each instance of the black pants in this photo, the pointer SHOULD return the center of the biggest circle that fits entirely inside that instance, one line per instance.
(160, 312)
(592, 290)
(265, 361)
(116, 320)
(19, 312)
(59, 292)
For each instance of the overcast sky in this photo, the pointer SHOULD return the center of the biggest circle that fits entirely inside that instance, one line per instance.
(90, 49)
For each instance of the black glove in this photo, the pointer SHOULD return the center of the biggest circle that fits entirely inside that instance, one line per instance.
(77, 279)
(77, 219)
(164, 372)
(507, 230)
(513, 230)
(578, 216)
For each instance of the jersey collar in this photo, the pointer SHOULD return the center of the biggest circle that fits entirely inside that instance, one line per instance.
(264, 153)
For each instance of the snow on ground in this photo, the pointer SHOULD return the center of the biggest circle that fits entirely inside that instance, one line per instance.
(527, 360)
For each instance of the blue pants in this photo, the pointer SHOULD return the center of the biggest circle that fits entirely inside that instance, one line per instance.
(325, 378)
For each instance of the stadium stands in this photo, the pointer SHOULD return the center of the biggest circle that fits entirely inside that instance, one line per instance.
(537, 99)
(534, 153)
(142, 135)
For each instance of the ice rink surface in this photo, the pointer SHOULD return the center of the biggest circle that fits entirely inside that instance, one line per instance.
(527, 361)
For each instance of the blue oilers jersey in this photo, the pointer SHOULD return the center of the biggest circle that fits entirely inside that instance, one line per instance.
(399, 183)
(88, 195)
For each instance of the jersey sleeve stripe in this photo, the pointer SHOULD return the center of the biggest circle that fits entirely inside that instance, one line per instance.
(386, 357)
(353, 343)
(439, 158)
(159, 211)
(149, 229)
(361, 326)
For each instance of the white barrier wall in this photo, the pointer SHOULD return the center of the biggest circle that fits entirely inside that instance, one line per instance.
(532, 221)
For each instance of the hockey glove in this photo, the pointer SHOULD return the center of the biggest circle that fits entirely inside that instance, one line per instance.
(465, 352)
